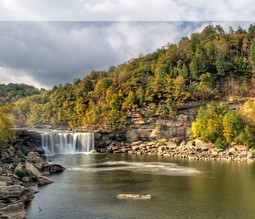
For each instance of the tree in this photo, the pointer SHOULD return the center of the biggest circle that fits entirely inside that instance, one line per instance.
(199, 63)
(251, 30)
(5, 125)
(205, 87)
(247, 137)
(218, 143)
(209, 124)
(233, 125)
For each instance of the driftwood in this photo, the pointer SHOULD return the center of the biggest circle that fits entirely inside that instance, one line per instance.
(134, 196)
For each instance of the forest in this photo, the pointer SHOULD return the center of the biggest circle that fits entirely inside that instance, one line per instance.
(211, 65)
(12, 92)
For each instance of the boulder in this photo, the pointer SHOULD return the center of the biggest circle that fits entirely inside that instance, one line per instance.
(18, 168)
(43, 180)
(133, 196)
(171, 145)
(28, 195)
(40, 150)
(151, 143)
(39, 165)
(32, 171)
(53, 168)
(26, 179)
(142, 146)
(14, 191)
(240, 148)
(6, 179)
(136, 143)
(13, 211)
(200, 143)
(135, 148)
(154, 134)
(162, 148)
(166, 155)
(102, 150)
(204, 148)
(2, 183)
(33, 158)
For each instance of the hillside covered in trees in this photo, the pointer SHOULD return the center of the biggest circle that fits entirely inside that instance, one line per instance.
(12, 92)
(210, 65)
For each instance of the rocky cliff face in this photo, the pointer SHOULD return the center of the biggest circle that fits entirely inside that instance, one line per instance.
(137, 129)
(158, 128)
(149, 129)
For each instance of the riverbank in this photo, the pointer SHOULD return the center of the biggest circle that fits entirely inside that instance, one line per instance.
(116, 142)
(16, 178)
(193, 150)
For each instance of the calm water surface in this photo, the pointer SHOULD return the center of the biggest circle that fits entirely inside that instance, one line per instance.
(179, 188)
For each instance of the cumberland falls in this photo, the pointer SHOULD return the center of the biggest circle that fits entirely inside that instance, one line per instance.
(66, 143)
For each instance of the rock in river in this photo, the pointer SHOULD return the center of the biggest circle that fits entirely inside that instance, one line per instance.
(133, 196)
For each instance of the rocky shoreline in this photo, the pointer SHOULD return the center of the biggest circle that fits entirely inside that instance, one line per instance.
(19, 170)
(192, 150)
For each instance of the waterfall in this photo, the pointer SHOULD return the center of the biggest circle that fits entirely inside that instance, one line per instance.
(66, 143)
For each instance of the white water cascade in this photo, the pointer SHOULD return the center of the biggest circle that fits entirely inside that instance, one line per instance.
(67, 143)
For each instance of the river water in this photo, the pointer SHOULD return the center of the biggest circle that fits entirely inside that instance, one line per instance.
(179, 188)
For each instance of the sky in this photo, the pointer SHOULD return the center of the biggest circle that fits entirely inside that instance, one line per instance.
(50, 42)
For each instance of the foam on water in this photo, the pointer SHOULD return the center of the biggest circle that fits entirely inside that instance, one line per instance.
(155, 168)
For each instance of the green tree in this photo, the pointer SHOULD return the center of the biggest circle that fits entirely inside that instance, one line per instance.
(247, 137)
(218, 143)
(199, 63)
(233, 125)
(209, 124)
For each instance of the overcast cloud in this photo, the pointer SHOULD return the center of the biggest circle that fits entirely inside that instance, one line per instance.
(36, 48)
(127, 10)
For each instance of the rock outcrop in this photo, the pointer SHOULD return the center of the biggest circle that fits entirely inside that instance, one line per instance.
(133, 196)
(14, 185)
(13, 211)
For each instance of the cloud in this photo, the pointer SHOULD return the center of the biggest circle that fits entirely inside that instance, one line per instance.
(49, 53)
(11, 75)
(44, 53)
(130, 39)
(127, 10)
(54, 52)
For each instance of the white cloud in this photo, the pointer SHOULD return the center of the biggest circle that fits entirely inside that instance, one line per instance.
(55, 52)
(128, 10)
(12, 75)
(130, 39)
(49, 53)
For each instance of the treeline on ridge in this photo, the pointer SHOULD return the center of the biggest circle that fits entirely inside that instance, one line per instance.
(209, 65)
(12, 92)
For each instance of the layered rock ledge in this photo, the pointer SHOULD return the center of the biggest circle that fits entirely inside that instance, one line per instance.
(14, 184)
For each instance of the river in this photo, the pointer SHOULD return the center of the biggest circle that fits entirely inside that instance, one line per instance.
(179, 188)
